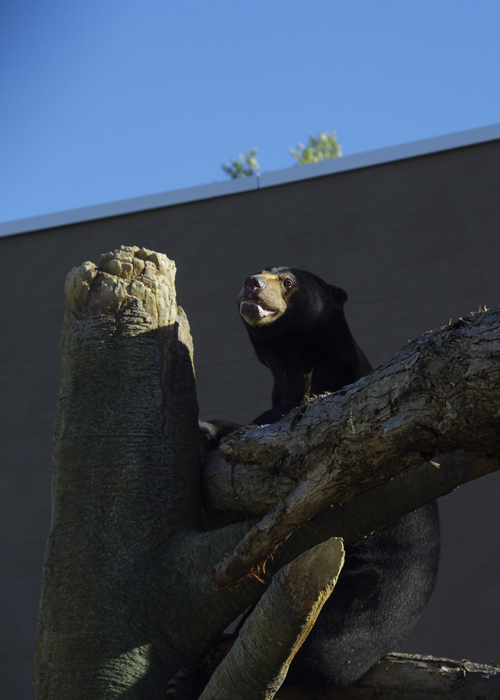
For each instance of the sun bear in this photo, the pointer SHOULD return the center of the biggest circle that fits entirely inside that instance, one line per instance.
(297, 327)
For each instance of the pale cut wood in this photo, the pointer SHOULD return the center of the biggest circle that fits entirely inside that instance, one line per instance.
(258, 663)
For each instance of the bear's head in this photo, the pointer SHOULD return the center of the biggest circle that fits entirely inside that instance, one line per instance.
(279, 299)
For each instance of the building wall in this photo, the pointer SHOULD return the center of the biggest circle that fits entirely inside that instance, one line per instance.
(414, 242)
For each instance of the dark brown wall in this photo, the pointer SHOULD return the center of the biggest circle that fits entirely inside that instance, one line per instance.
(414, 242)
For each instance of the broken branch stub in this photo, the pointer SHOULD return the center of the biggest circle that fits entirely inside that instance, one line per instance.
(125, 479)
(258, 663)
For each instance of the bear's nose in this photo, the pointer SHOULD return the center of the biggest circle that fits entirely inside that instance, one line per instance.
(252, 284)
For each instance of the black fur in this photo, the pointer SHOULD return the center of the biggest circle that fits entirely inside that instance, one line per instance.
(311, 338)
(382, 590)
(388, 577)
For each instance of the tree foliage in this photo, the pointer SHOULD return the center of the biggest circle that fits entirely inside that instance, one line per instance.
(242, 166)
(317, 148)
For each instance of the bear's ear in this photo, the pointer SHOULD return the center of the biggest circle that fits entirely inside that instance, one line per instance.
(338, 295)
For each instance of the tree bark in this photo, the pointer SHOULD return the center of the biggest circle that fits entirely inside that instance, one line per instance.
(258, 664)
(127, 596)
(413, 677)
(438, 396)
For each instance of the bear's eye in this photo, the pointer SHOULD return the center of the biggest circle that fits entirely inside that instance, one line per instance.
(288, 284)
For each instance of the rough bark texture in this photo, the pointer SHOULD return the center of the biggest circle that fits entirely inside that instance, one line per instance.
(259, 660)
(369, 511)
(228, 493)
(438, 396)
(120, 611)
(127, 596)
(412, 677)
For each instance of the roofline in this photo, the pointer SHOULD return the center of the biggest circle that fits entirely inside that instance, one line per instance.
(274, 178)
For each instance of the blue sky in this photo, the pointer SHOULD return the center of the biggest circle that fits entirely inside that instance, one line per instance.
(107, 99)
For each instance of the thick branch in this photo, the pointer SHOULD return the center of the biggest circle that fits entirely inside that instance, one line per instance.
(413, 677)
(369, 511)
(437, 396)
(229, 496)
(259, 660)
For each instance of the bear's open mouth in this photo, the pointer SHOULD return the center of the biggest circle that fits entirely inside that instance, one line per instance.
(259, 302)
(256, 305)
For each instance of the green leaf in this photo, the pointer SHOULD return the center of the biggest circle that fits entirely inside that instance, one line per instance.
(242, 166)
(324, 146)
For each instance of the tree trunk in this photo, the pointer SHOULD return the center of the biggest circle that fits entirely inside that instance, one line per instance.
(127, 596)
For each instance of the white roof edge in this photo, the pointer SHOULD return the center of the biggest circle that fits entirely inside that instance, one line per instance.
(270, 179)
